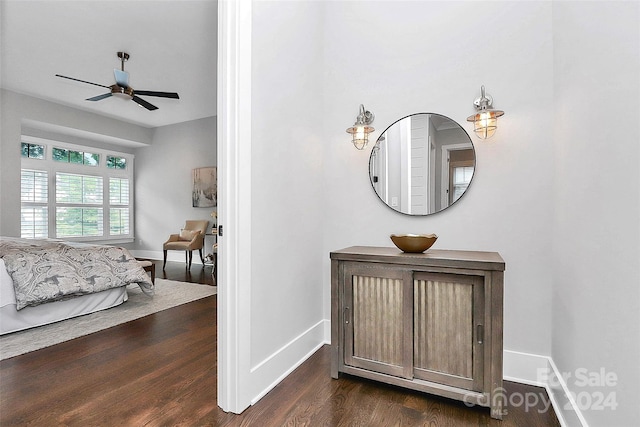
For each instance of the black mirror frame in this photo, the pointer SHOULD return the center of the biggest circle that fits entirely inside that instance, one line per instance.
(373, 179)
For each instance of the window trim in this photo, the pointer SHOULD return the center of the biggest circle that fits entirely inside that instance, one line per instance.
(51, 167)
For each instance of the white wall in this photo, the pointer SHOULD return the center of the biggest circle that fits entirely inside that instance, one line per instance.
(19, 110)
(163, 173)
(287, 209)
(596, 223)
(400, 58)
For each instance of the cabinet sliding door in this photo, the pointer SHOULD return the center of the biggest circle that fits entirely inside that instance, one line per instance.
(378, 320)
(449, 329)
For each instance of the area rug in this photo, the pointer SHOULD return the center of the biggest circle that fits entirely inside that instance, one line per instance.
(168, 294)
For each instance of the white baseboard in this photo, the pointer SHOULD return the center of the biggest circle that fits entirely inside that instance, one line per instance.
(146, 254)
(327, 331)
(287, 358)
(533, 369)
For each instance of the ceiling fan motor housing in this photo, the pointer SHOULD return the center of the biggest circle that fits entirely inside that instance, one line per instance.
(122, 91)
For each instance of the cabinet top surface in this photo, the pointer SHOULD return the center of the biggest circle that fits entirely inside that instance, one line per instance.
(432, 257)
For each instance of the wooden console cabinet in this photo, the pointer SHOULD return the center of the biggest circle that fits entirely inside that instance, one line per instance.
(430, 322)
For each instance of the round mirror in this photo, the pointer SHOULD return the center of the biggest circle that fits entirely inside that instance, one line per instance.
(422, 164)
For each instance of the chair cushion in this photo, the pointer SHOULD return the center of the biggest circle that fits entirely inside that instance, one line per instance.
(188, 235)
(179, 245)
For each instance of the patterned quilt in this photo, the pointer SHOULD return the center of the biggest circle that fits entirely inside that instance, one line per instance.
(44, 271)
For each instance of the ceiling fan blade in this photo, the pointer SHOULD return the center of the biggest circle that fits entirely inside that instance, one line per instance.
(160, 94)
(82, 81)
(122, 77)
(99, 97)
(144, 103)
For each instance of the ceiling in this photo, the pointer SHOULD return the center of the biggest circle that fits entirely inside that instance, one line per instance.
(172, 47)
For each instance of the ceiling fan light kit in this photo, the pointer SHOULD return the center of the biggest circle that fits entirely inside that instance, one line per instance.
(121, 88)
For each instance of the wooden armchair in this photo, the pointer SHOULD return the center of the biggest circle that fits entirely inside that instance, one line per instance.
(191, 237)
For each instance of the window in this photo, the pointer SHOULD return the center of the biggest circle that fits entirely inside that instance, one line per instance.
(71, 194)
(34, 212)
(73, 156)
(118, 206)
(461, 178)
(114, 162)
(78, 205)
(33, 151)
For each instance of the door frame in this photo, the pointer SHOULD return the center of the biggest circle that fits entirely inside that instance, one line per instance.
(234, 210)
(444, 172)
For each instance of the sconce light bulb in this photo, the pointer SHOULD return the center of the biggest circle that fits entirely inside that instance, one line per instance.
(360, 130)
(485, 121)
(485, 125)
(360, 135)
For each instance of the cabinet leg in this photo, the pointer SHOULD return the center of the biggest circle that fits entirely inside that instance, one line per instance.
(498, 408)
(335, 353)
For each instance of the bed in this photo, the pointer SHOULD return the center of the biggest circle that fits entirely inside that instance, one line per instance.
(46, 281)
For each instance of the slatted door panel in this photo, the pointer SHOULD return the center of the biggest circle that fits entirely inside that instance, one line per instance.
(378, 320)
(448, 328)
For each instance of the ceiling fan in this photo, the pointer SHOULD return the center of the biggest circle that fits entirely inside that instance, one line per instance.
(122, 88)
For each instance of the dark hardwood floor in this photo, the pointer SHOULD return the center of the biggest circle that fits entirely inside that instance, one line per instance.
(160, 370)
(178, 271)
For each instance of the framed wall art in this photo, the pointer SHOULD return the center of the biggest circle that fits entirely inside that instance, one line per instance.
(205, 187)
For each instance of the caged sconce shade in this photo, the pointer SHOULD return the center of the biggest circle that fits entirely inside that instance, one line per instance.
(485, 121)
(360, 130)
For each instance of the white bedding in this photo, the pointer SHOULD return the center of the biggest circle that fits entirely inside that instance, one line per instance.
(12, 320)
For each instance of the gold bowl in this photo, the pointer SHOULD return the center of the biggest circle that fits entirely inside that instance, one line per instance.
(413, 243)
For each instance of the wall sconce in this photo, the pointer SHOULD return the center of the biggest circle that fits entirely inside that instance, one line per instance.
(485, 121)
(360, 130)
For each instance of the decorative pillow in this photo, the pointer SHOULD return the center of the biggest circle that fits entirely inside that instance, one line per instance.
(188, 235)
